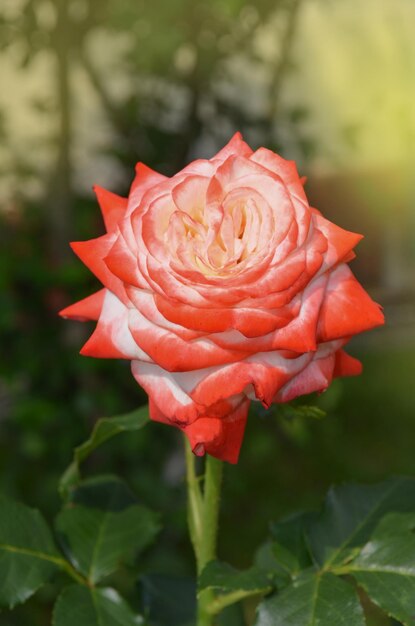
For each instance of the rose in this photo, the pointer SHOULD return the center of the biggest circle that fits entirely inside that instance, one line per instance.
(221, 285)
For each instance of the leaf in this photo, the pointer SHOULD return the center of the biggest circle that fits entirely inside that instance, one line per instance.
(84, 606)
(104, 429)
(289, 548)
(385, 568)
(234, 585)
(107, 492)
(169, 601)
(314, 599)
(303, 411)
(393, 524)
(286, 554)
(98, 536)
(28, 555)
(266, 560)
(351, 513)
(232, 616)
(225, 578)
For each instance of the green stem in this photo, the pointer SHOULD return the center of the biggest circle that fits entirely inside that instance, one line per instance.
(203, 516)
(211, 504)
(194, 502)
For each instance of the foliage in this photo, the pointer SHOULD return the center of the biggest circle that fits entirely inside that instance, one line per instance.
(314, 568)
(100, 526)
(104, 429)
(355, 542)
(308, 571)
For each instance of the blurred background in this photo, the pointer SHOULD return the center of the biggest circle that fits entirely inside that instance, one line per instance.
(89, 87)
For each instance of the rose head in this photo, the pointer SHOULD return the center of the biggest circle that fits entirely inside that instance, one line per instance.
(222, 285)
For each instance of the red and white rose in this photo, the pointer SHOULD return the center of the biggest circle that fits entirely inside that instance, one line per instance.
(222, 285)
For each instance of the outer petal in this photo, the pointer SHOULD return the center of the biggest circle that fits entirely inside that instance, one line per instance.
(287, 170)
(317, 376)
(220, 437)
(143, 301)
(122, 263)
(259, 376)
(87, 309)
(299, 335)
(113, 207)
(236, 146)
(172, 352)
(112, 338)
(347, 308)
(145, 179)
(92, 253)
(251, 322)
(346, 365)
(340, 242)
(172, 401)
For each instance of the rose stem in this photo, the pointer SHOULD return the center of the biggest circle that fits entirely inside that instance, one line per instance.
(203, 514)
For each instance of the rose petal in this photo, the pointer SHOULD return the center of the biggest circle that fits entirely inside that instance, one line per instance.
(112, 338)
(92, 254)
(87, 309)
(347, 308)
(174, 353)
(236, 146)
(113, 207)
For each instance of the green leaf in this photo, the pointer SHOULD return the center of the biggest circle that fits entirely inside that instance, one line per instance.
(393, 524)
(106, 492)
(287, 554)
(233, 585)
(232, 616)
(225, 578)
(385, 568)
(289, 548)
(303, 411)
(314, 599)
(98, 536)
(169, 601)
(83, 606)
(28, 555)
(350, 515)
(104, 429)
(266, 560)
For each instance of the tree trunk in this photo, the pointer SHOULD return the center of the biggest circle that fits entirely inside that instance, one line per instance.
(60, 196)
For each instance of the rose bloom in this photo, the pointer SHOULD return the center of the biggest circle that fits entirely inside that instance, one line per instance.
(221, 286)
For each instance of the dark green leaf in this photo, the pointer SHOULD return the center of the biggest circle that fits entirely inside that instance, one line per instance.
(286, 554)
(107, 492)
(385, 568)
(233, 585)
(292, 411)
(226, 579)
(393, 524)
(169, 601)
(232, 616)
(28, 555)
(104, 429)
(83, 606)
(290, 548)
(97, 537)
(314, 599)
(352, 512)
(266, 560)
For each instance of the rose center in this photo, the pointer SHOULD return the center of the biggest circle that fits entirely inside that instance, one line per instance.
(216, 241)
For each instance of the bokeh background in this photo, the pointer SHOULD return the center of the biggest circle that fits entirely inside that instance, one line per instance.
(89, 87)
